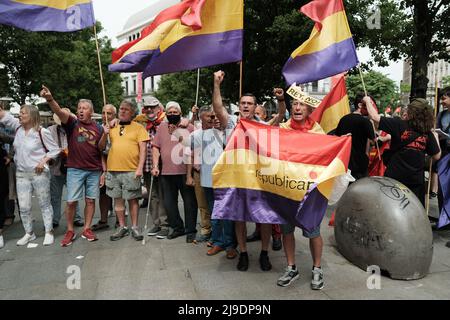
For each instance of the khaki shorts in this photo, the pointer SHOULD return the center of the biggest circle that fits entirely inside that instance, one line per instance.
(123, 185)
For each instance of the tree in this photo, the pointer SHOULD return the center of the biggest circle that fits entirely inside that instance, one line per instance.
(65, 62)
(379, 86)
(409, 29)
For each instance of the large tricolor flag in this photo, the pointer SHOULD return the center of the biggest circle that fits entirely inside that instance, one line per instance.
(47, 15)
(330, 48)
(186, 36)
(272, 175)
(333, 107)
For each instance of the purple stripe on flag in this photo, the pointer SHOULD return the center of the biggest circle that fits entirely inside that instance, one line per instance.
(41, 18)
(133, 62)
(265, 207)
(333, 60)
(444, 180)
(197, 52)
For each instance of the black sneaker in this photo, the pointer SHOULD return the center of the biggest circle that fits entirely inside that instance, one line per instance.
(78, 223)
(153, 231)
(243, 262)
(162, 234)
(289, 276)
(264, 262)
(190, 238)
(277, 244)
(175, 234)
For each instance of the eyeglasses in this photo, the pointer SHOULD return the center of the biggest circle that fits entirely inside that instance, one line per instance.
(121, 130)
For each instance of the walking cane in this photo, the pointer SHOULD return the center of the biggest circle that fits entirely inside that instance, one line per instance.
(148, 210)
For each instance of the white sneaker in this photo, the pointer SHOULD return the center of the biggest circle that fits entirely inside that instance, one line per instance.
(2, 243)
(26, 238)
(49, 239)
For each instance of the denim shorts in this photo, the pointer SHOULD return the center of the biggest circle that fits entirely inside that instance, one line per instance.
(123, 185)
(82, 184)
(289, 228)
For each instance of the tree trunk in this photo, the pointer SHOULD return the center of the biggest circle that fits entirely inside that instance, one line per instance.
(422, 43)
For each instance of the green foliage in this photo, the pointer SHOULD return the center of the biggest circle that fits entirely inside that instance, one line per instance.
(65, 62)
(446, 81)
(379, 86)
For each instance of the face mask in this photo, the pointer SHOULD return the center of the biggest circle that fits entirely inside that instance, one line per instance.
(174, 119)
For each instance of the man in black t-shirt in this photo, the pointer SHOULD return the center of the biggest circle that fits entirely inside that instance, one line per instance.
(411, 139)
(362, 131)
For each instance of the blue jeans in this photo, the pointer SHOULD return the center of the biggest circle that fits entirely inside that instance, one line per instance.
(223, 233)
(82, 184)
(56, 190)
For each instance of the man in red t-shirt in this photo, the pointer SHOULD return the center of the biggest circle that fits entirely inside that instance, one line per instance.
(86, 141)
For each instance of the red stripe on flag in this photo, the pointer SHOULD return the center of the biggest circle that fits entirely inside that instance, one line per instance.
(173, 12)
(336, 94)
(292, 145)
(318, 10)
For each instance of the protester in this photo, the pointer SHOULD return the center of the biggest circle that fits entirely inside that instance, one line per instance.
(34, 148)
(362, 133)
(247, 105)
(152, 116)
(410, 140)
(195, 175)
(301, 121)
(169, 145)
(9, 202)
(86, 141)
(108, 115)
(443, 123)
(125, 168)
(58, 172)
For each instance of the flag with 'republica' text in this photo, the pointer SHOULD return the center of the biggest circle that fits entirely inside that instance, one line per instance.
(272, 175)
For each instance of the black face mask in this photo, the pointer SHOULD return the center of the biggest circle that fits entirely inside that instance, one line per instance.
(174, 119)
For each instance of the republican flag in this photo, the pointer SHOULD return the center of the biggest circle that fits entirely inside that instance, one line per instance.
(444, 180)
(47, 15)
(186, 36)
(330, 48)
(272, 175)
(333, 107)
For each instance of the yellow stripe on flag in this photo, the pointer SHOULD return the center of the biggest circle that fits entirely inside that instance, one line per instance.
(217, 16)
(333, 114)
(57, 4)
(242, 168)
(335, 29)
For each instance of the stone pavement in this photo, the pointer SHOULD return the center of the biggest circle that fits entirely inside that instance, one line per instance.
(173, 269)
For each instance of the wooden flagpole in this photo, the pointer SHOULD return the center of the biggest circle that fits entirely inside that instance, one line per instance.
(373, 126)
(100, 66)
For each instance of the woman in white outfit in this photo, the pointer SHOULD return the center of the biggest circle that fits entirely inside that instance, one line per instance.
(34, 148)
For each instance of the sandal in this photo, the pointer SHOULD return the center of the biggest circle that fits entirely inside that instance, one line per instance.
(100, 225)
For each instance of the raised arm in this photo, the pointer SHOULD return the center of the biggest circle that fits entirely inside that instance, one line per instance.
(373, 114)
(62, 114)
(219, 109)
(279, 94)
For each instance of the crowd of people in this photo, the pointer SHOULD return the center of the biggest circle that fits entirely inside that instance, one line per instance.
(171, 156)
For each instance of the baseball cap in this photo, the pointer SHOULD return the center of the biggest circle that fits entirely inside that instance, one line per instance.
(151, 101)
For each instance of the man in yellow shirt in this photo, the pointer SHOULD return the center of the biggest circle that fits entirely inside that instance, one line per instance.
(125, 168)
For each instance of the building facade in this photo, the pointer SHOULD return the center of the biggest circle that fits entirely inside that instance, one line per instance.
(132, 83)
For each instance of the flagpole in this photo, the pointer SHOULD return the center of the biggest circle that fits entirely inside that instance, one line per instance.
(436, 106)
(198, 86)
(240, 79)
(373, 126)
(100, 65)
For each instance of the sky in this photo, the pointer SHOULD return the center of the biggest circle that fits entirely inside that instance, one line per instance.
(114, 14)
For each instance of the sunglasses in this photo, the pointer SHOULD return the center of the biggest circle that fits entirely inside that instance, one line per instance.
(121, 130)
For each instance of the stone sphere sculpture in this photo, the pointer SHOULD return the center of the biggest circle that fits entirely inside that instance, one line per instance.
(380, 222)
